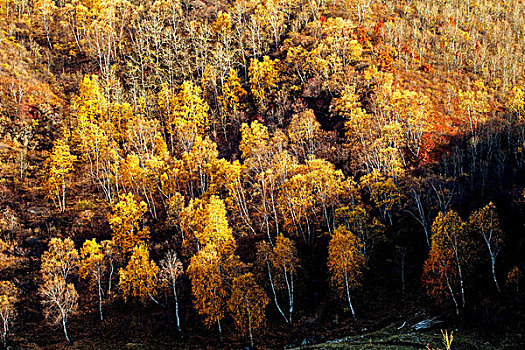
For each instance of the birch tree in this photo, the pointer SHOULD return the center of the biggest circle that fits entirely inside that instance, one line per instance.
(8, 312)
(345, 262)
(58, 167)
(92, 267)
(485, 222)
(60, 300)
(170, 271)
(247, 304)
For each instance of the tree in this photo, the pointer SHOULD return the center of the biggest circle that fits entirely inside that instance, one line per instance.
(264, 261)
(485, 222)
(368, 229)
(447, 254)
(97, 135)
(186, 115)
(58, 172)
(516, 100)
(59, 297)
(255, 146)
(328, 186)
(7, 258)
(125, 223)
(233, 94)
(111, 255)
(247, 304)
(297, 203)
(199, 172)
(513, 278)
(264, 77)
(440, 275)
(384, 193)
(92, 267)
(208, 285)
(170, 271)
(285, 264)
(139, 278)
(60, 300)
(474, 105)
(217, 230)
(213, 267)
(8, 299)
(45, 9)
(60, 259)
(231, 100)
(345, 262)
(304, 132)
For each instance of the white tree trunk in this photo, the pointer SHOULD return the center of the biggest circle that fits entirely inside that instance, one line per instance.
(275, 294)
(349, 299)
(176, 305)
(493, 267)
(100, 298)
(65, 329)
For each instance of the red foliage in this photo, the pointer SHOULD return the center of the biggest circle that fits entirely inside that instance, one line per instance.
(384, 61)
(377, 32)
(361, 35)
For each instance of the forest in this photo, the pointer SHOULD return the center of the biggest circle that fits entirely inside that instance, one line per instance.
(262, 174)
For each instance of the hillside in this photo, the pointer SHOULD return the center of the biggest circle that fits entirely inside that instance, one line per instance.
(222, 174)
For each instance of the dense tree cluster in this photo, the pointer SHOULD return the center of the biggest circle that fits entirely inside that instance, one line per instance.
(240, 160)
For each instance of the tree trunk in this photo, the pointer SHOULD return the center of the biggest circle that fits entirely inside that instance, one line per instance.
(65, 330)
(176, 306)
(461, 284)
(110, 277)
(349, 299)
(249, 324)
(452, 295)
(275, 294)
(100, 299)
(220, 328)
(493, 266)
(4, 334)
(289, 285)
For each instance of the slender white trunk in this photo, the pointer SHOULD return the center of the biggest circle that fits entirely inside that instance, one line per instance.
(100, 298)
(176, 305)
(348, 297)
(220, 328)
(155, 300)
(461, 282)
(452, 294)
(4, 333)
(249, 323)
(289, 286)
(493, 267)
(111, 269)
(275, 294)
(65, 329)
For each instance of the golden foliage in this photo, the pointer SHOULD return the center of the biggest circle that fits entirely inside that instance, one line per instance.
(125, 222)
(186, 114)
(139, 278)
(247, 304)
(345, 260)
(92, 260)
(232, 94)
(60, 260)
(8, 299)
(58, 168)
(208, 284)
(264, 77)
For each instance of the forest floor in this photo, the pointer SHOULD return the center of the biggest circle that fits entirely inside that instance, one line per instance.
(404, 339)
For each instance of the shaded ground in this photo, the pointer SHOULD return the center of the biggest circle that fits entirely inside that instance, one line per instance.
(401, 339)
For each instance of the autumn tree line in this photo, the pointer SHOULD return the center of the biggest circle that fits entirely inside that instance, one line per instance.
(221, 143)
